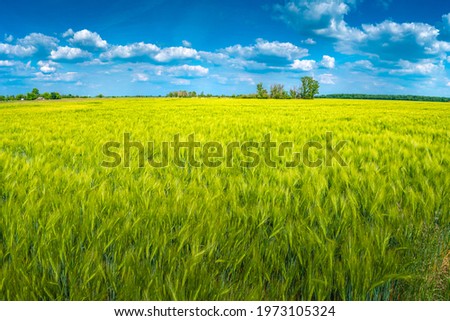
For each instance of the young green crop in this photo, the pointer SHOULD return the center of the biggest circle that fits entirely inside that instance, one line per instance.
(377, 229)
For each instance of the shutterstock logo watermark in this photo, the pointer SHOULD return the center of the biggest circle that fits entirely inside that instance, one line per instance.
(192, 153)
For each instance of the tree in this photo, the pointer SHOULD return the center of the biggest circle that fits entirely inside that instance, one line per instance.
(294, 92)
(55, 95)
(261, 93)
(277, 92)
(46, 95)
(309, 88)
(31, 96)
(34, 94)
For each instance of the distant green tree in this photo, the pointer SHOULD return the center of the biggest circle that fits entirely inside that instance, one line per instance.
(30, 96)
(309, 88)
(99, 96)
(387, 97)
(46, 95)
(294, 93)
(55, 95)
(182, 94)
(277, 92)
(34, 94)
(261, 93)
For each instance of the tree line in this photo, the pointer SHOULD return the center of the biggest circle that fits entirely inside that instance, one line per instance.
(35, 94)
(188, 94)
(387, 97)
(32, 95)
(308, 89)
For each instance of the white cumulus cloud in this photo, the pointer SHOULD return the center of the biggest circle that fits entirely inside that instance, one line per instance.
(6, 63)
(38, 40)
(304, 65)
(280, 49)
(138, 49)
(176, 53)
(318, 17)
(385, 40)
(187, 71)
(69, 53)
(16, 50)
(88, 39)
(328, 62)
(263, 47)
(47, 67)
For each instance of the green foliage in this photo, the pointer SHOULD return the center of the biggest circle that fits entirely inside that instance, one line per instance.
(375, 230)
(55, 95)
(33, 95)
(277, 92)
(185, 94)
(309, 87)
(261, 91)
(308, 90)
(387, 97)
(294, 93)
(46, 95)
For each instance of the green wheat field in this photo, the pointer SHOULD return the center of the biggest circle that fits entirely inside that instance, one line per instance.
(377, 229)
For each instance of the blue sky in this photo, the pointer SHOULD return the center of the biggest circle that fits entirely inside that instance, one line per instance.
(224, 47)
